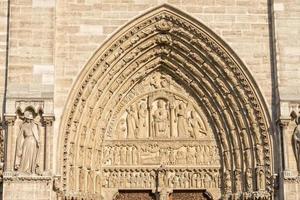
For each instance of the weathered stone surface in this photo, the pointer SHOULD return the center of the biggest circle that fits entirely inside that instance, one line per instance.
(166, 93)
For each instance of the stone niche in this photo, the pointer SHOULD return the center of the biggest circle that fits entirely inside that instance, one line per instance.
(29, 139)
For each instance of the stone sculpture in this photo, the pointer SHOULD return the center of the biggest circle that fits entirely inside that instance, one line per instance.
(296, 141)
(27, 146)
(181, 120)
(142, 121)
(131, 123)
(160, 119)
(121, 75)
(196, 125)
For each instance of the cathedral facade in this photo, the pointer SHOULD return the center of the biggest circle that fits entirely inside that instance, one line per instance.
(152, 100)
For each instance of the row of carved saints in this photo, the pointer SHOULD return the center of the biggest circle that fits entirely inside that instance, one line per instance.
(187, 123)
(136, 155)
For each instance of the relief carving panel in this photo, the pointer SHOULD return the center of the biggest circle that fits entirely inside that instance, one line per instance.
(160, 124)
(163, 111)
(160, 152)
(149, 178)
(167, 93)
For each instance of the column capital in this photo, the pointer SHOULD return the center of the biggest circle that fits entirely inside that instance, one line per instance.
(284, 122)
(9, 119)
(48, 119)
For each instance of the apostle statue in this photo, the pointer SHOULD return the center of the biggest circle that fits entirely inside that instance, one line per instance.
(28, 144)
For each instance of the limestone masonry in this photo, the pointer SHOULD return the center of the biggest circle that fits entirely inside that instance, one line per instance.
(151, 99)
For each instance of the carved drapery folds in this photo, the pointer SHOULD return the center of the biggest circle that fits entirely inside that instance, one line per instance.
(163, 78)
(28, 140)
(28, 144)
(296, 138)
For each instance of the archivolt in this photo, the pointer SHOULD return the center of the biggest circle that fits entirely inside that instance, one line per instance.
(169, 40)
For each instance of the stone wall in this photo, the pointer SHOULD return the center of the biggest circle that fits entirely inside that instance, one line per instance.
(49, 37)
(50, 41)
(31, 48)
(3, 36)
(30, 189)
(82, 26)
(287, 31)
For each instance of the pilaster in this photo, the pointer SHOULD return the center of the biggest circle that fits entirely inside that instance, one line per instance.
(48, 120)
(10, 152)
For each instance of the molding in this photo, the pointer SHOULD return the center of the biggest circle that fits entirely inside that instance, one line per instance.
(170, 42)
(14, 177)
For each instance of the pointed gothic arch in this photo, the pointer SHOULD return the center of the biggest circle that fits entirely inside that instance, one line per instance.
(190, 56)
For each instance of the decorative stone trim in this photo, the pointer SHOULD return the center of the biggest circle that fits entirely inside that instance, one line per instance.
(28, 178)
(175, 45)
(295, 179)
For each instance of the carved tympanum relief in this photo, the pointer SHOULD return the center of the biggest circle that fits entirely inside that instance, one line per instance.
(176, 178)
(143, 152)
(162, 111)
(160, 125)
(166, 91)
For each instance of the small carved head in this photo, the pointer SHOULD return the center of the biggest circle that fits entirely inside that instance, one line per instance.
(143, 105)
(132, 108)
(160, 103)
(181, 105)
(28, 115)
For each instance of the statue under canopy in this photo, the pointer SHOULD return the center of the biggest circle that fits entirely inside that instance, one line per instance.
(27, 145)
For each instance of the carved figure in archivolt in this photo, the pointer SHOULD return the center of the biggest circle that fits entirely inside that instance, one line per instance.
(131, 121)
(160, 119)
(142, 121)
(225, 149)
(249, 179)
(197, 126)
(227, 183)
(261, 182)
(27, 146)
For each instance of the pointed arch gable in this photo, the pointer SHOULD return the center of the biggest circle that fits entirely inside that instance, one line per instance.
(165, 38)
